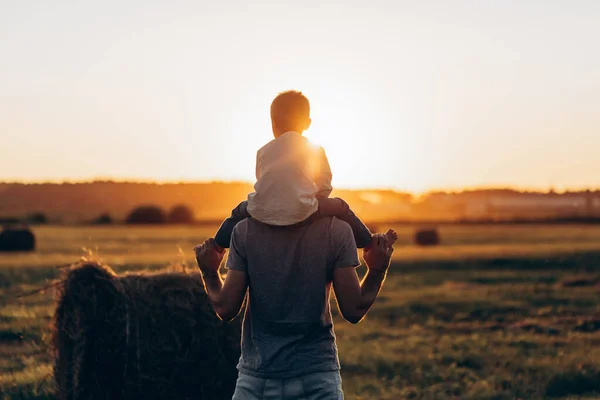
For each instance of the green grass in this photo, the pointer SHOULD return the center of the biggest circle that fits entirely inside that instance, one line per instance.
(490, 334)
(497, 326)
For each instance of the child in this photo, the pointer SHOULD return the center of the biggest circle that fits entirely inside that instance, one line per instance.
(293, 178)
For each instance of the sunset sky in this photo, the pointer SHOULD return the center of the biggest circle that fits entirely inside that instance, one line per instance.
(412, 95)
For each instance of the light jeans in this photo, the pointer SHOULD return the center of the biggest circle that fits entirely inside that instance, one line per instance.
(317, 386)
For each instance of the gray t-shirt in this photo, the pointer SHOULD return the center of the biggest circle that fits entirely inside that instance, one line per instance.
(287, 329)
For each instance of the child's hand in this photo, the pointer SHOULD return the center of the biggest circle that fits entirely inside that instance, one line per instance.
(390, 238)
(209, 257)
(379, 254)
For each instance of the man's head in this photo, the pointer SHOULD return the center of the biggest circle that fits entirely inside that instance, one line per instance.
(290, 111)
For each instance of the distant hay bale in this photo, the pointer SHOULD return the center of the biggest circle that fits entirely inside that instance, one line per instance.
(17, 239)
(427, 237)
(140, 337)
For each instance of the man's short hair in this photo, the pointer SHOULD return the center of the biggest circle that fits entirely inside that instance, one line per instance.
(290, 110)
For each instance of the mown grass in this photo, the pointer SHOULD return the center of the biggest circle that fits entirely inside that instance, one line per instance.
(494, 334)
(498, 327)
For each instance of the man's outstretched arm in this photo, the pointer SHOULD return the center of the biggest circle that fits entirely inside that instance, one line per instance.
(355, 298)
(226, 297)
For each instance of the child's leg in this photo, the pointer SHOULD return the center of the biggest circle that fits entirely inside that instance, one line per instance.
(336, 207)
(223, 235)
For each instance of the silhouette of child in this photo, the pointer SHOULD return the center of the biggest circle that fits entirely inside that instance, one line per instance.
(293, 179)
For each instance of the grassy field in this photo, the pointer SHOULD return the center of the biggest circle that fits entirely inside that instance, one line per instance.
(493, 313)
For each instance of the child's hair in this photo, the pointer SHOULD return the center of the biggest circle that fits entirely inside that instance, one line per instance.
(290, 111)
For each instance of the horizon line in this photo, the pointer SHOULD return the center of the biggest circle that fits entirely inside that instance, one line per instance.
(450, 190)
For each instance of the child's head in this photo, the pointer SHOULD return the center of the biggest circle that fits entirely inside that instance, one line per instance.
(290, 111)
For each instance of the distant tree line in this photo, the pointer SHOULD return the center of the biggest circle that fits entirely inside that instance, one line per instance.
(14, 237)
(150, 214)
(145, 214)
(38, 218)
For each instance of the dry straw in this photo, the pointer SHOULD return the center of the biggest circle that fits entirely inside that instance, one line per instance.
(140, 336)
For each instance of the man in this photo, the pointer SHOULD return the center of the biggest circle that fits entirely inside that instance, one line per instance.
(288, 343)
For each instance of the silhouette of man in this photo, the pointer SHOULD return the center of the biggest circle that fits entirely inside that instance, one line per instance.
(288, 342)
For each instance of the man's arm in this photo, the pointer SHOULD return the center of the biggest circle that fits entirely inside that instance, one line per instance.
(356, 298)
(323, 176)
(226, 297)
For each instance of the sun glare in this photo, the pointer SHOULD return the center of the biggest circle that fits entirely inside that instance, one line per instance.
(358, 137)
(366, 145)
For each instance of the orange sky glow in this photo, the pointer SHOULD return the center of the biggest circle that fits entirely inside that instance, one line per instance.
(406, 95)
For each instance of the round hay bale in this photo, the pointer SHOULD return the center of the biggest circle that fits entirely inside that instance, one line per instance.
(427, 237)
(17, 239)
(141, 336)
(90, 347)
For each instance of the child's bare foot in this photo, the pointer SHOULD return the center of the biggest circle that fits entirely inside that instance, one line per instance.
(391, 236)
(199, 248)
(218, 248)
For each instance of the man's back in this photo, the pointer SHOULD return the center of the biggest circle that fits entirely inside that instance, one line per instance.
(287, 325)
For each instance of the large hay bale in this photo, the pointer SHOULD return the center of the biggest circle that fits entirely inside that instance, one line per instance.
(17, 239)
(141, 337)
(427, 237)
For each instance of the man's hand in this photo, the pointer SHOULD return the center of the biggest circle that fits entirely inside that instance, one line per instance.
(225, 297)
(378, 256)
(208, 257)
(356, 298)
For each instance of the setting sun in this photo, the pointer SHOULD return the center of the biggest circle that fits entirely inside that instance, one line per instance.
(357, 137)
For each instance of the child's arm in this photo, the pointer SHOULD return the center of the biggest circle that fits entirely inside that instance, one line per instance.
(336, 207)
(323, 175)
(223, 235)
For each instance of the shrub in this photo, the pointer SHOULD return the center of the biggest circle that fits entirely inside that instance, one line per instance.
(181, 214)
(147, 215)
(103, 219)
(38, 218)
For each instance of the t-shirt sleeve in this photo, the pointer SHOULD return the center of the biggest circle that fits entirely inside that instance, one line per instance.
(236, 259)
(344, 245)
(323, 176)
(257, 167)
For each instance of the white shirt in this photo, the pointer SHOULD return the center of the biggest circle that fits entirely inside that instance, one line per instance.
(290, 173)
